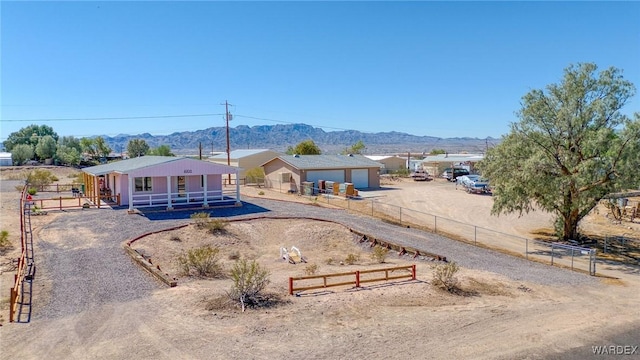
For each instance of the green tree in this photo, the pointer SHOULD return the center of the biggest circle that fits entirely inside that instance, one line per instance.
(29, 135)
(88, 147)
(102, 149)
(71, 142)
(21, 153)
(46, 147)
(137, 148)
(307, 147)
(68, 155)
(570, 148)
(356, 148)
(162, 150)
(437, 152)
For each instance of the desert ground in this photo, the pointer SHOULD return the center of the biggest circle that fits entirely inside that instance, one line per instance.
(90, 300)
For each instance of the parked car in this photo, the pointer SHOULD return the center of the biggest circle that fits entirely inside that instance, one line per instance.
(456, 173)
(466, 180)
(420, 175)
(479, 186)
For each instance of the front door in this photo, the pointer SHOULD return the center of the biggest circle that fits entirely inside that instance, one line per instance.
(181, 186)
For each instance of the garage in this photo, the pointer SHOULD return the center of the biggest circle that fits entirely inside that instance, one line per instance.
(360, 178)
(329, 175)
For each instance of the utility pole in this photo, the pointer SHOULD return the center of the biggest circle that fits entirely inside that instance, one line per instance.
(228, 117)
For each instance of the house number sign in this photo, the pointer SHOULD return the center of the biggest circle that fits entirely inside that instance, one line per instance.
(188, 171)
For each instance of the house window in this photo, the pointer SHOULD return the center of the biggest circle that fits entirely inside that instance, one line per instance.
(143, 183)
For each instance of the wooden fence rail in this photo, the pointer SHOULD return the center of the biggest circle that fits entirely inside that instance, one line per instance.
(20, 271)
(354, 278)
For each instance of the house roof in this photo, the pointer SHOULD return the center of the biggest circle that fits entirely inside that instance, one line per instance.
(454, 158)
(135, 164)
(238, 154)
(382, 157)
(5, 155)
(309, 162)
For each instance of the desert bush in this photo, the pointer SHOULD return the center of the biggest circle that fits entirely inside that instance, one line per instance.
(201, 219)
(444, 276)
(352, 259)
(329, 261)
(175, 238)
(216, 225)
(260, 192)
(19, 188)
(254, 175)
(202, 261)
(32, 191)
(249, 280)
(379, 254)
(311, 269)
(4, 240)
(41, 177)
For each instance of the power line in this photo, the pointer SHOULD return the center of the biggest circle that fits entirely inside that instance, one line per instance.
(110, 118)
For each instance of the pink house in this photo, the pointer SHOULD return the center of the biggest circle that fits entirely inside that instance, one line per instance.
(160, 181)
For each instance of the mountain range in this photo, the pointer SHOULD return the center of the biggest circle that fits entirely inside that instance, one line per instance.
(280, 137)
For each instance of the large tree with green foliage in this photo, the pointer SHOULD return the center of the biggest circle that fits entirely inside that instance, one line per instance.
(68, 155)
(29, 135)
(46, 147)
(21, 153)
(102, 149)
(137, 148)
(570, 148)
(307, 147)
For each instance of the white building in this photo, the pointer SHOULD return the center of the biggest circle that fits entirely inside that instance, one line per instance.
(5, 159)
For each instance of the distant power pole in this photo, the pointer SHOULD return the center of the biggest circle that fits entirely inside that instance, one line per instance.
(228, 117)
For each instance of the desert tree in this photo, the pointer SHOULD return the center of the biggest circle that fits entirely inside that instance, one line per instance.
(29, 135)
(306, 147)
(356, 148)
(21, 153)
(162, 150)
(137, 148)
(570, 148)
(102, 148)
(46, 147)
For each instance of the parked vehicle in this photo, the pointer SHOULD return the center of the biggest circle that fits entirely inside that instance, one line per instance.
(456, 173)
(466, 180)
(420, 175)
(479, 186)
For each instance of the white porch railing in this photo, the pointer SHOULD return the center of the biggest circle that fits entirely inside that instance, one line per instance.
(191, 198)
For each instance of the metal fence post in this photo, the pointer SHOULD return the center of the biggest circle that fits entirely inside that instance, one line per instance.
(371, 207)
(571, 259)
(552, 254)
(435, 224)
(400, 215)
(475, 235)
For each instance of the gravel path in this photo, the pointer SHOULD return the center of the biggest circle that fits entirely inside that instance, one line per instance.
(82, 268)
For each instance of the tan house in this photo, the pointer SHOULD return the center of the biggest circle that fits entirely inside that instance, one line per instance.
(244, 159)
(288, 172)
(390, 163)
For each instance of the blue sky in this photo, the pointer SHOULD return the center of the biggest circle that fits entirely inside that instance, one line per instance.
(445, 69)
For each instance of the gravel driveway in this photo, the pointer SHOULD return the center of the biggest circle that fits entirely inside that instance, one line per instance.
(89, 278)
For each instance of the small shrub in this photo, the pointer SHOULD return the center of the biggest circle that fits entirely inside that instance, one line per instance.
(216, 225)
(202, 261)
(175, 238)
(329, 261)
(234, 255)
(19, 188)
(261, 192)
(32, 191)
(249, 280)
(379, 254)
(201, 219)
(4, 240)
(444, 276)
(41, 177)
(311, 269)
(352, 259)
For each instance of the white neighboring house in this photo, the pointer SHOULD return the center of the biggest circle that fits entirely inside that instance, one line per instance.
(6, 159)
(244, 159)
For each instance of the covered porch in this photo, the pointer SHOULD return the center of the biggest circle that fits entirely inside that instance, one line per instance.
(153, 181)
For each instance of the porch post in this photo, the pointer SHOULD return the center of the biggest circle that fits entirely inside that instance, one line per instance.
(169, 207)
(96, 188)
(130, 180)
(238, 202)
(204, 187)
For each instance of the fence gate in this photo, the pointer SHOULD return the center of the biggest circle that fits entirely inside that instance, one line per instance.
(560, 250)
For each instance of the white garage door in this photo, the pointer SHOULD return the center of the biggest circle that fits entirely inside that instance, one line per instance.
(360, 178)
(328, 175)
